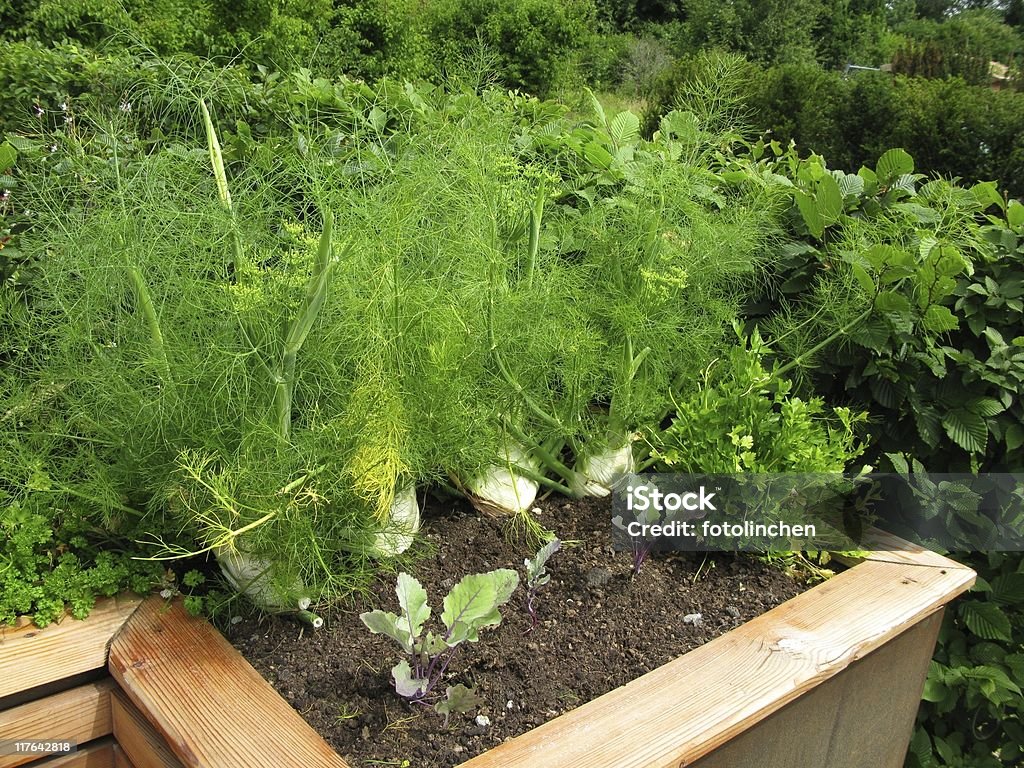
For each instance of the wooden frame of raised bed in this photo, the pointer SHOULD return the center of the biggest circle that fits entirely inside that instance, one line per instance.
(831, 678)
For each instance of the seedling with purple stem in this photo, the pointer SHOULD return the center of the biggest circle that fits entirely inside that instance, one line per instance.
(471, 605)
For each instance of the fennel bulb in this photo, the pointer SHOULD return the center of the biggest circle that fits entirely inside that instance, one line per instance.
(499, 488)
(252, 576)
(597, 473)
(403, 523)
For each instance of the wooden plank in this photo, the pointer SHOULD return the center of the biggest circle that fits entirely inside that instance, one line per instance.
(859, 716)
(98, 755)
(81, 714)
(205, 699)
(684, 710)
(139, 741)
(120, 758)
(30, 656)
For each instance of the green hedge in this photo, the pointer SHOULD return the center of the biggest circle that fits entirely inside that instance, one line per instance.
(951, 128)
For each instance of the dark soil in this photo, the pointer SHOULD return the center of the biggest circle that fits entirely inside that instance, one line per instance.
(598, 630)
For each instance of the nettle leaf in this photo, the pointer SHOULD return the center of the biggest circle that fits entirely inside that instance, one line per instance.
(458, 698)
(893, 164)
(994, 683)
(387, 623)
(405, 684)
(473, 603)
(1015, 661)
(413, 599)
(921, 748)
(986, 620)
(927, 421)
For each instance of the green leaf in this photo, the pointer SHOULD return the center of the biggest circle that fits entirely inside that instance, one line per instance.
(863, 278)
(939, 319)
(966, 429)
(8, 156)
(986, 620)
(829, 200)
(1008, 589)
(387, 623)
(473, 603)
(928, 424)
(624, 128)
(985, 406)
(879, 256)
(987, 194)
(891, 301)
(1015, 214)
(851, 185)
(1014, 437)
(809, 210)
(934, 690)
(894, 163)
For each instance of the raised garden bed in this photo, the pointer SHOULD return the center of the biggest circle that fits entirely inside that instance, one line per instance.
(598, 627)
(830, 678)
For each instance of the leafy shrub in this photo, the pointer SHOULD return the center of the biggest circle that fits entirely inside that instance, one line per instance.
(537, 43)
(938, 362)
(951, 128)
(973, 709)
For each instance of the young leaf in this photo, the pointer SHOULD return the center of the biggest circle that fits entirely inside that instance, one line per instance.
(413, 599)
(473, 603)
(1015, 214)
(458, 698)
(405, 684)
(535, 569)
(829, 200)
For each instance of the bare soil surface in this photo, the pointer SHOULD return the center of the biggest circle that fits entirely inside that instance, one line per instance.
(599, 628)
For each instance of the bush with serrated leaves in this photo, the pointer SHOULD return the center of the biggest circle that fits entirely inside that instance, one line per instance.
(904, 297)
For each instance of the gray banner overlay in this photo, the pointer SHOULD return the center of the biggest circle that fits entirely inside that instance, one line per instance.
(791, 511)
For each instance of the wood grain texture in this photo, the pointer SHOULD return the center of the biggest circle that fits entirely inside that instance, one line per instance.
(30, 656)
(684, 710)
(81, 714)
(205, 699)
(99, 755)
(139, 741)
(859, 717)
(120, 758)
